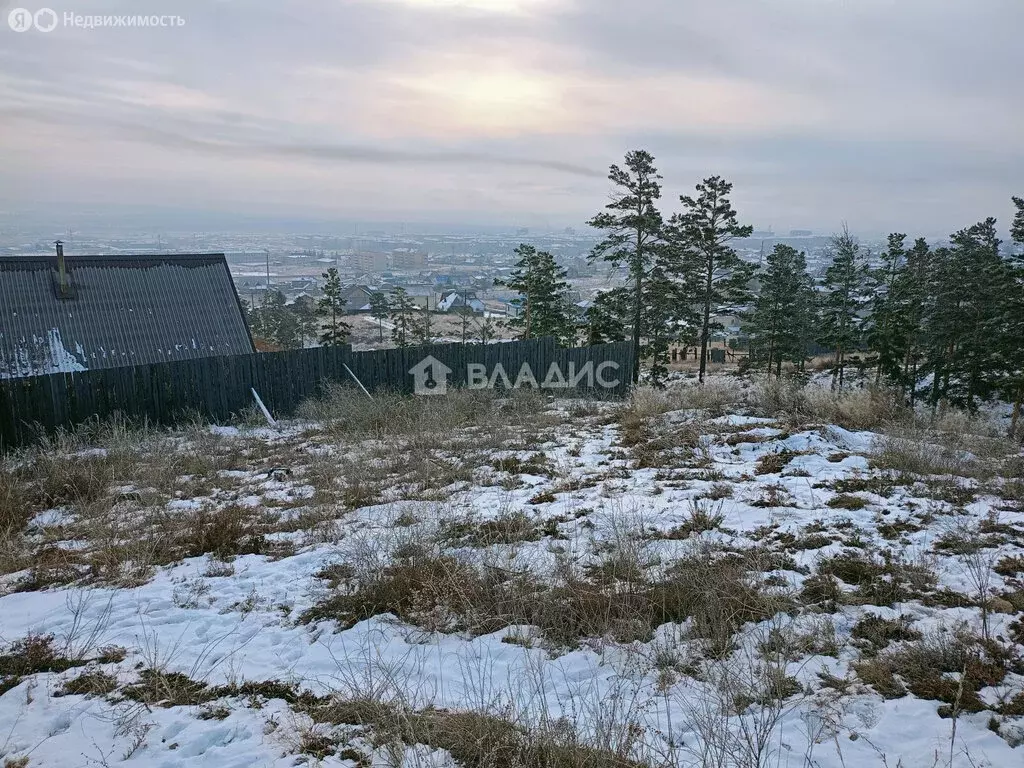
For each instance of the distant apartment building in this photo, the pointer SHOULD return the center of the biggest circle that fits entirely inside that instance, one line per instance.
(408, 258)
(402, 259)
(369, 261)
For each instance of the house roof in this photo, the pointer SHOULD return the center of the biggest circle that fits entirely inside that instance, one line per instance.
(120, 310)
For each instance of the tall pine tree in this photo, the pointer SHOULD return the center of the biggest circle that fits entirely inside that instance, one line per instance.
(1013, 335)
(780, 323)
(632, 224)
(844, 286)
(714, 275)
(964, 317)
(332, 309)
(885, 329)
(913, 286)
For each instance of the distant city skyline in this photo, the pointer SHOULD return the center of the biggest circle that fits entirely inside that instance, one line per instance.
(886, 115)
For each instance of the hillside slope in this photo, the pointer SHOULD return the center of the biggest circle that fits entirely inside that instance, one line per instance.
(723, 576)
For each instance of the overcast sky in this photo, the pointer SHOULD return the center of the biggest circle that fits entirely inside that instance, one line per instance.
(889, 114)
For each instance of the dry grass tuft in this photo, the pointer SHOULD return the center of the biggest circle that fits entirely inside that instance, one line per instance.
(347, 412)
(615, 597)
(879, 579)
(852, 409)
(950, 666)
(29, 656)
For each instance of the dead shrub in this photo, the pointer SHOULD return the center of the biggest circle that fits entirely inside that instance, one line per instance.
(950, 666)
(773, 463)
(821, 591)
(347, 412)
(168, 689)
(616, 597)
(876, 633)
(702, 516)
(478, 739)
(90, 684)
(431, 590)
(859, 409)
(14, 510)
(662, 443)
(507, 528)
(925, 451)
(880, 579)
(715, 396)
(847, 501)
(31, 655)
(719, 592)
(719, 491)
(220, 531)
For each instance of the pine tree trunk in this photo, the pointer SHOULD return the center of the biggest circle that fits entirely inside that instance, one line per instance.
(637, 315)
(1017, 405)
(913, 384)
(706, 329)
(936, 377)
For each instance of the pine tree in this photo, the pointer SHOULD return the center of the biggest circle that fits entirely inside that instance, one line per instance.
(332, 308)
(379, 310)
(1017, 228)
(254, 318)
(605, 319)
(465, 313)
(1013, 336)
(278, 323)
(886, 327)
(714, 275)
(543, 296)
(913, 286)
(666, 313)
(423, 326)
(780, 323)
(964, 317)
(844, 285)
(486, 330)
(305, 310)
(632, 226)
(402, 318)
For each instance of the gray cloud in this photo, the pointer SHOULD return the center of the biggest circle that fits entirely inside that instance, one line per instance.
(892, 114)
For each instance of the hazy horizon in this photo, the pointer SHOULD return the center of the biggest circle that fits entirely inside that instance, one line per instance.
(889, 116)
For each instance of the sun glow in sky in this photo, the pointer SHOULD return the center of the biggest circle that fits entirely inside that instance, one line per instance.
(498, 110)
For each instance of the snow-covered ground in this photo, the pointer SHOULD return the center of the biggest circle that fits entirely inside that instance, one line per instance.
(615, 500)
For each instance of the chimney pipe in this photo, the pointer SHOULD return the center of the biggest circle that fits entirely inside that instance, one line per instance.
(62, 273)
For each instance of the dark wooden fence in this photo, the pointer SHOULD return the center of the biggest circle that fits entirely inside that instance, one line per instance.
(218, 388)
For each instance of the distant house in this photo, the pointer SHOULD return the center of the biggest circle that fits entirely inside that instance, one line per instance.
(78, 313)
(504, 306)
(731, 325)
(456, 300)
(357, 297)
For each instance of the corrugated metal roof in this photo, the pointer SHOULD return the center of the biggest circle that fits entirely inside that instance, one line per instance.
(121, 310)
